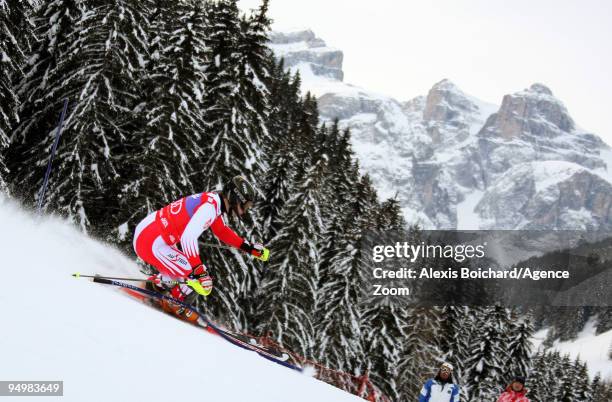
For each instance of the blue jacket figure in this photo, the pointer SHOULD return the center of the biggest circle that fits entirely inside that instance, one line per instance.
(441, 387)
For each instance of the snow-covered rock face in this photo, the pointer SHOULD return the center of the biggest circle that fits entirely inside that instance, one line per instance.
(304, 47)
(548, 195)
(530, 113)
(457, 162)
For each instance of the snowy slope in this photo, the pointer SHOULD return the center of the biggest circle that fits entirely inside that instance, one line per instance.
(105, 346)
(589, 347)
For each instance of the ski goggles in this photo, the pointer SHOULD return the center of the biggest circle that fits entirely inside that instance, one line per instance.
(446, 369)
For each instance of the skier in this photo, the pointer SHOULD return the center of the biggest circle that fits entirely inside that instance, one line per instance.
(515, 392)
(440, 388)
(168, 238)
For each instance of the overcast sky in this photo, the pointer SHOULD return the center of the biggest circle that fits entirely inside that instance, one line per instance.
(487, 47)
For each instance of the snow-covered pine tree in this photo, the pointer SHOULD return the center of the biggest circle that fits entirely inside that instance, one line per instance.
(256, 62)
(484, 366)
(421, 349)
(16, 37)
(383, 339)
(556, 378)
(535, 372)
(568, 379)
(596, 386)
(454, 339)
(340, 326)
(41, 90)
(519, 349)
(285, 104)
(235, 101)
(342, 271)
(168, 151)
(582, 385)
(277, 185)
(307, 132)
(385, 323)
(538, 381)
(93, 53)
(606, 393)
(569, 321)
(601, 390)
(604, 319)
(343, 170)
(288, 295)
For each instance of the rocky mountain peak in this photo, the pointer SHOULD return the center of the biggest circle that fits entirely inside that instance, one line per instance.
(305, 35)
(445, 85)
(301, 49)
(540, 88)
(446, 102)
(533, 112)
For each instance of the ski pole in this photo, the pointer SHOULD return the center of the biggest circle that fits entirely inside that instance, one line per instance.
(192, 283)
(79, 275)
(43, 189)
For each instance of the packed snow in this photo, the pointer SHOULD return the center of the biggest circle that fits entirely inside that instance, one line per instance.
(106, 346)
(588, 346)
(467, 217)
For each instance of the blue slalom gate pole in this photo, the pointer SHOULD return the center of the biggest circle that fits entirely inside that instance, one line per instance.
(43, 190)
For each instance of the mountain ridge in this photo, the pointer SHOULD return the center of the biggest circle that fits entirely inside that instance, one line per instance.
(443, 152)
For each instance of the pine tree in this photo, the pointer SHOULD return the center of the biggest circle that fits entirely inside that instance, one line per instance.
(16, 37)
(307, 133)
(456, 327)
(519, 349)
(285, 104)
(385, 321)
(342, 269)
(484, 366)
(538, 382)
(567, 392)
(40, 90)
(93, 53)
(383, 350)
(168, 149)
(423, 327)
(604, 320)
(569, 321)
(236, 96)
(341, 323)
(582, 384)
(601, 390)
(277, 186)
(289, 295)
(605, 395)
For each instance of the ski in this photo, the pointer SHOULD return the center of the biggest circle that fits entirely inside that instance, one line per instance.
(239, 340)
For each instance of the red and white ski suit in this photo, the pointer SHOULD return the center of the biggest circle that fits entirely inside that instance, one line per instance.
(512, 396)
(183, 221)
